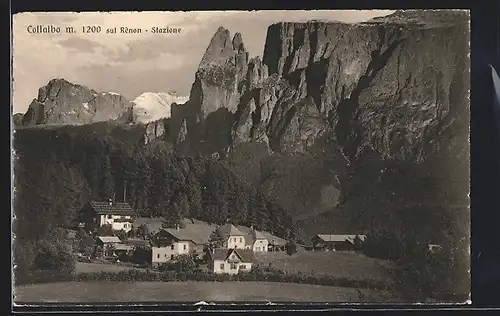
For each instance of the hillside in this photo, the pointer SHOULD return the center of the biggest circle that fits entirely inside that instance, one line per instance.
(97, 161)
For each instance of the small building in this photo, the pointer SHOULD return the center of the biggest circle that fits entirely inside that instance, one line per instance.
(117, 214)
(104, 241)
(335, 242)
(122, 249)
(107, 244)
(231, 261)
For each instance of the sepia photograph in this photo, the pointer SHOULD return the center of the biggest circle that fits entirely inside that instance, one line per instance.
(241, 156)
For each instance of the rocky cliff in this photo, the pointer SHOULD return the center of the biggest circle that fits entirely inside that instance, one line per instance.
(62, 102)
(394, 89)
(389, 85)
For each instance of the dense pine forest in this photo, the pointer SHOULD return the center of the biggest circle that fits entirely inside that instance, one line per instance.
(57, 170)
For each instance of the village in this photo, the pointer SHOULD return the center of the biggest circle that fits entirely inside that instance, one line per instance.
(119, 237)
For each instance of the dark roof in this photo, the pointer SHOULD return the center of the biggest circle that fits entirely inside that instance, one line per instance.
(338, 238)
(112, 208)
(251, 235)
(229, 230)
(273, 240)
(184, 234)
(223, 254)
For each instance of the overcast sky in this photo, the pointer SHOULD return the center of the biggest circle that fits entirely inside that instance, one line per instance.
(131, 64)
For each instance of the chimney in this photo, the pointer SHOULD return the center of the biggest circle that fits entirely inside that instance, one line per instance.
(177, 226)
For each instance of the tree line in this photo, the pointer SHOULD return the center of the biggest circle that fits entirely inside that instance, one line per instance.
(58, 170)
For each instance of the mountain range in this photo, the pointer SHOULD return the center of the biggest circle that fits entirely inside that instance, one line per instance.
(61, 102)
(335, 122)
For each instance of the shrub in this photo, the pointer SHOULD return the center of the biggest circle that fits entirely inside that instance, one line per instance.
(121, 234)
(54, 255)
(105, 230)
(291, 248)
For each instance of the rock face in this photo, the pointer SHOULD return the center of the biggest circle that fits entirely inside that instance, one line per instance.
(393, 90)
(61, 102)
(389, 85)
(155, 130)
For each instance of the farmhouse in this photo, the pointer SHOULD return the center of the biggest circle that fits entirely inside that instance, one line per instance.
(231, 261)
(242, 237)
(118, 215)
(336, 242)
(254, 239)
(232, 237)
(170, 242)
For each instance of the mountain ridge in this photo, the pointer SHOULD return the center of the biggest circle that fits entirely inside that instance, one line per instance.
(343, 99)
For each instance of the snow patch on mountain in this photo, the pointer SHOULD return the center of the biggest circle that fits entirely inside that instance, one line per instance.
(152, 106)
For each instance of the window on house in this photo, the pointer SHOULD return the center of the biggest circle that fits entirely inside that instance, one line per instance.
(260, 241)
(184, 246)
(172, 247)
(243, 267)
(222, 266)
(158, 256)
(125, 225)
(165, 255)
(110, 216)
(234, 266)
(171, 257)
(241, 239)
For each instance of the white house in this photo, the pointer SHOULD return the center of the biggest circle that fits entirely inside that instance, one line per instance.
(231, 261)
(233, 237)
(254, 239)
(117, 214)
(242, 237)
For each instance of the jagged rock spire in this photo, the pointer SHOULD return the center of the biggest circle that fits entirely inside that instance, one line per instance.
(220, 48)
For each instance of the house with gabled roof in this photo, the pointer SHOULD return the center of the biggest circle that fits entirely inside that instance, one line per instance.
(231, 261)
(242, 237)
(254, 239)
(171, 242)
(232, 237)
(117, 214)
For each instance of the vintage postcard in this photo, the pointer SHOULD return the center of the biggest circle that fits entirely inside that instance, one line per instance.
(237, 156)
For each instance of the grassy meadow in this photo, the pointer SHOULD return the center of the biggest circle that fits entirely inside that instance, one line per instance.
(337, 264)
(95, 292)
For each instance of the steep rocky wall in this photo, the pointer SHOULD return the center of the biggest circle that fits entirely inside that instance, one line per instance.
(389, 85)
(61, 102)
